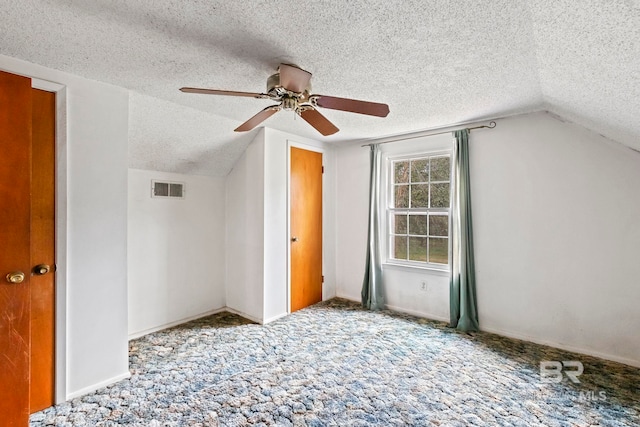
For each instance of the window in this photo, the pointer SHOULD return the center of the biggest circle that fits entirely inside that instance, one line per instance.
(418, 210)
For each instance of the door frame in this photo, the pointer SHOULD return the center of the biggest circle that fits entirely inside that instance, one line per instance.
(308, 147)
(60, 327)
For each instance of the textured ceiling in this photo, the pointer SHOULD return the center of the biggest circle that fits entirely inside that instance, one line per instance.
(589, 63)
(174, 138)
(434, 62)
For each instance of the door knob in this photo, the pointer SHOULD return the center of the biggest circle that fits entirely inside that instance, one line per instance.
(15, 277)
(294, 239)
(41, 269)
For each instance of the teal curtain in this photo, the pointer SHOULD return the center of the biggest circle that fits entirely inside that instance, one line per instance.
(462, 284)
(372, 296)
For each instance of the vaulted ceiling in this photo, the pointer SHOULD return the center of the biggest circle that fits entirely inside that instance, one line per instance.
(435, 62)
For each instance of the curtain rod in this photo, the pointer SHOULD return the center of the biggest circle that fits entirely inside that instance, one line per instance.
(491, 125)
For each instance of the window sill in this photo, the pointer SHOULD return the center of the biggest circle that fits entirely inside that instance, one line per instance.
(444, 271)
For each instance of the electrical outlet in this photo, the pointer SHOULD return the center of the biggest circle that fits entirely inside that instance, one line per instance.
(423, 286)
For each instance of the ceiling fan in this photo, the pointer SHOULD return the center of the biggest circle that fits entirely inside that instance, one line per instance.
(290, 87)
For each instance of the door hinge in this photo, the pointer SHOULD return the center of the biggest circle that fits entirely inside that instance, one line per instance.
(322, 279)
(323, 169)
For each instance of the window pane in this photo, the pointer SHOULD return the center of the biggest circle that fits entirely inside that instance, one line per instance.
(400, 225)
(420, 170)
(440, 195)
(401, 172)
(420, 195)
(399, 247)
(439, 250)
(438, 225)
(418, 225)
(401, 199)
(440, 167)
(418, 249)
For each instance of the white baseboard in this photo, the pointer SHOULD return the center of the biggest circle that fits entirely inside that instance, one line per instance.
(630, 362)
(273, 318)
(139, 334)
(245, 315)
(98, 386)
(400, 309)
(348, 297)
(626, 361)
(417, 313)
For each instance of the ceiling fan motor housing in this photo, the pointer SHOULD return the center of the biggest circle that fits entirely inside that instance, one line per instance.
(275, 89)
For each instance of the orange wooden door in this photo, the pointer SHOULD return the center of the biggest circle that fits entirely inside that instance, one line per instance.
(42, 250)
(27, 236)
(306, 228)
(15, 257)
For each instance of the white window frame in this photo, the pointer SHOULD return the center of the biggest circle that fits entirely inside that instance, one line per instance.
(388, 211)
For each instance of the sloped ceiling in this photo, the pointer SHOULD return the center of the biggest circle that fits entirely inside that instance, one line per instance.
(434, 62)
(588, 56)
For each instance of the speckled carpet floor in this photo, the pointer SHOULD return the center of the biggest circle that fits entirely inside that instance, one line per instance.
(335, 364)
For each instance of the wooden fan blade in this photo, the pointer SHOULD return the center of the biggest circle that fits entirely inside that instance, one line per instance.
(318, 121)
(258, 118)
(223, 92)
(293, 78)
(351, 105)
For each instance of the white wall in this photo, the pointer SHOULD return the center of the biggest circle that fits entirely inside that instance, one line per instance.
(352, 196)
(245, 232)
(91, 227)
(257, 226)
(556, 230)
(176, 251)
(556, 237)
(277, 151)
(276, 234)
(402, 290)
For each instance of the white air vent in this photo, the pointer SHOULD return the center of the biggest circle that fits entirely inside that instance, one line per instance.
(174, 190)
